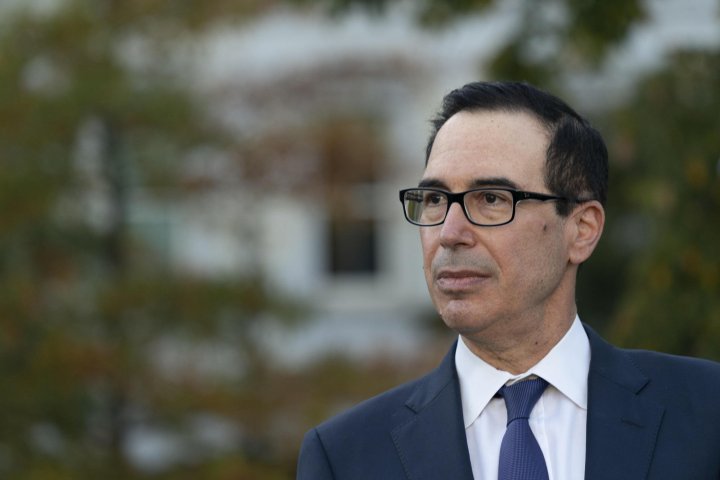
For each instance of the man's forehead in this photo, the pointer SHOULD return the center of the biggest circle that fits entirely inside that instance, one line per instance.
(473, 128)
(488, 148)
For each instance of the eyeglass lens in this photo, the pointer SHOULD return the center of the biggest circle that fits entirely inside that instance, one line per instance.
(484, 207)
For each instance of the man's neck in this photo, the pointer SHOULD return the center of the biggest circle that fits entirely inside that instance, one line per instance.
(519, 349)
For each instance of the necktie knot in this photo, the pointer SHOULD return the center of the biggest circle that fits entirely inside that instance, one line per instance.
(521, 397)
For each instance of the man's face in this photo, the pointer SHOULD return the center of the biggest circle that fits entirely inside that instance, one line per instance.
(498, 280)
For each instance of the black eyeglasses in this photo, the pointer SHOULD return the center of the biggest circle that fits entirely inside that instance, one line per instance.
(485, 207)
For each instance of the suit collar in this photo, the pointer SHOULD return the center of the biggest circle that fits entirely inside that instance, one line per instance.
(432, 443)
(622, 424)
(614, 364)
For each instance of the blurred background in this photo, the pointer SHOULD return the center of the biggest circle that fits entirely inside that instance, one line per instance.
(202, 253)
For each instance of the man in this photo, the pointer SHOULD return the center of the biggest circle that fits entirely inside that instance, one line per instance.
(509, 206)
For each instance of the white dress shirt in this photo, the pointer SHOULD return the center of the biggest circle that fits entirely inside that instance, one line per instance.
(558, 420)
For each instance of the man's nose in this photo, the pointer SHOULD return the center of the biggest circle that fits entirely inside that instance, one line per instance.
(457, 229)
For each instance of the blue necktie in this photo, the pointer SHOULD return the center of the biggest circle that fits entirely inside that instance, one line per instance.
(520, 454)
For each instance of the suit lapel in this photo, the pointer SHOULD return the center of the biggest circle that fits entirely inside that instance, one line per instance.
(432, 443)
(622, 425)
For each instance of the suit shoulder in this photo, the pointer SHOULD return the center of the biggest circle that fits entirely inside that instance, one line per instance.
(376, 410)
(397, 404)
(676, 369)
(359, 442)
(661, 361)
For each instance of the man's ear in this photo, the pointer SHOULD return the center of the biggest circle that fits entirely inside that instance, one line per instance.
(585, 226)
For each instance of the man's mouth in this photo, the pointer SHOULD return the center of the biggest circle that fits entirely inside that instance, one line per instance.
(450, 281)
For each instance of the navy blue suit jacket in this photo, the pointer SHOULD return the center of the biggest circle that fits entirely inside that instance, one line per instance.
(650, 416)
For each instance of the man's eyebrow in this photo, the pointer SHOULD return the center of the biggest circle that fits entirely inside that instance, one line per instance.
(476, 183)
(432, 183)
(494, 182)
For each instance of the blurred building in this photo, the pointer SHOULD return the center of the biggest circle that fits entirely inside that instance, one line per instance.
(332, 115)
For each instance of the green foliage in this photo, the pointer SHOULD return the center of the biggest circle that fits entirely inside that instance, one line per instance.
(552, 39)
(431, 13)
(556, 38)
(87, 309)
(511, 63)
(671, 183)
(438, 13)
(594, 27)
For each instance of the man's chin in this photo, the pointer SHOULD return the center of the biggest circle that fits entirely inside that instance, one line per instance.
(462, 318)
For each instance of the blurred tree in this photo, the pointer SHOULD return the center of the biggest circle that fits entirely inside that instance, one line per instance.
(553, 37)
(104, 345)
(557, 38)
(93, 114)
(667, 143)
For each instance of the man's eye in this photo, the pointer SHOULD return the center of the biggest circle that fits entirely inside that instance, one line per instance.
(493, 199)
(434, 199)
(490, 198)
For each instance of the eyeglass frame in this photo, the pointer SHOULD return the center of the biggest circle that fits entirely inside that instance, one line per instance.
(459, 198)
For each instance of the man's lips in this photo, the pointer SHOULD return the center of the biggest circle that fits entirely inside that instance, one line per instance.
(459, 280)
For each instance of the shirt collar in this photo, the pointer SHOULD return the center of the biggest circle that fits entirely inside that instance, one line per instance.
(565, 367)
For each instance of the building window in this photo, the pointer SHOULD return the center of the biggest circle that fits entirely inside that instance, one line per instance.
(352, 246)
(351, 152)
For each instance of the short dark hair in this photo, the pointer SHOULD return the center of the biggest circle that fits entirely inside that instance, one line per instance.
(576, 164)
